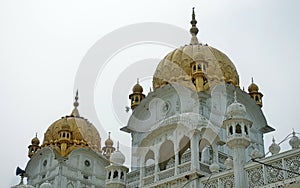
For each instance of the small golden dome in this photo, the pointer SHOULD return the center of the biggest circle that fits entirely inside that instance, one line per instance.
(137, 88)
(253, 87)
(35, 141)
(108, 141)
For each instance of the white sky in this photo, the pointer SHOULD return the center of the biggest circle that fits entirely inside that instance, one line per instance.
(42, 44)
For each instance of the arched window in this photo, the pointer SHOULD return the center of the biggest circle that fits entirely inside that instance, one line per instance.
(122, 175)
(230, 130)
(246, 130)
(149, 158)
(194, 67)
(136, 99)
(199, 67)
(238, 129)
(184, 148)
(115, 174)
(166, 152)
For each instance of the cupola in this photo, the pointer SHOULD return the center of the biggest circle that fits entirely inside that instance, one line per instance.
(108, 149)
(71, 132)
(137, 95)
(32, 149)
(253, 90)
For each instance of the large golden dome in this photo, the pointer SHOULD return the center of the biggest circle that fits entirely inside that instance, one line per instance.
(73, 132)
(176, 66)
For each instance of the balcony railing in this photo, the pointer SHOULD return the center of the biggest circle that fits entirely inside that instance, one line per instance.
(166, 173)
(263, 175)
(182, 168)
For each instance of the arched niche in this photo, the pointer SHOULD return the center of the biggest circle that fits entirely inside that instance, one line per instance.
(166, 153)
(184, 148)
(149, 158)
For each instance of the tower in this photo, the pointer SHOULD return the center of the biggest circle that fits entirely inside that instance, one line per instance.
(108, 149)
(199, 74)
(116, 171)
(32, 149)
(137, 95)
(237, 129)
(64, 137)
(255, 94)
(199, 65)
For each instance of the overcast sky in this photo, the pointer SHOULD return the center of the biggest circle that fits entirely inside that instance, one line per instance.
(43, 43)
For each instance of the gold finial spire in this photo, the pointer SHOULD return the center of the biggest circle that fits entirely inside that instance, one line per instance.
(252, 80)
(194, 30)
(76, 104)
(75, 111)
(108, 135)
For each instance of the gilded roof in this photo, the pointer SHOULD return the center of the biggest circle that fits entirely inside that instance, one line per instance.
(83, 134)
(176, 67)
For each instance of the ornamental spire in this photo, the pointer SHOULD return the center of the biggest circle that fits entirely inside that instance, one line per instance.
(75, 111)
(234, 97)
(194, 30)
(118, 146)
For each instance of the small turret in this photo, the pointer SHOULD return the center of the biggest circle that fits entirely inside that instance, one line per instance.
(255, 94)
(108, 149)
(32, 149)
(274, 148)
(238, 129)
(116, 171)
(199, 67)
(137, 95)
(65, 135)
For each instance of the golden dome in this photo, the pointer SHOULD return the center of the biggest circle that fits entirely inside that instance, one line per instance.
(176, 66)
(137, 88)
(108, 141)
(253, 87)
(83, 133)
(35, 141)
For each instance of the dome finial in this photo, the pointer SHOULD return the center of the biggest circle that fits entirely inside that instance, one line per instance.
(118, 145)
(76, 104)
(194, 30)
(235, 98)
(75, 111)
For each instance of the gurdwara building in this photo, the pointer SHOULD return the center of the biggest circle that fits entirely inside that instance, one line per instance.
(197, 128)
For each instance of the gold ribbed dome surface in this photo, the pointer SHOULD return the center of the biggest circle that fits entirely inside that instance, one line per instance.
(84, 133)
(71, 132)
(137, 88)
(35, 141)
(176, 67)
(253, 88)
